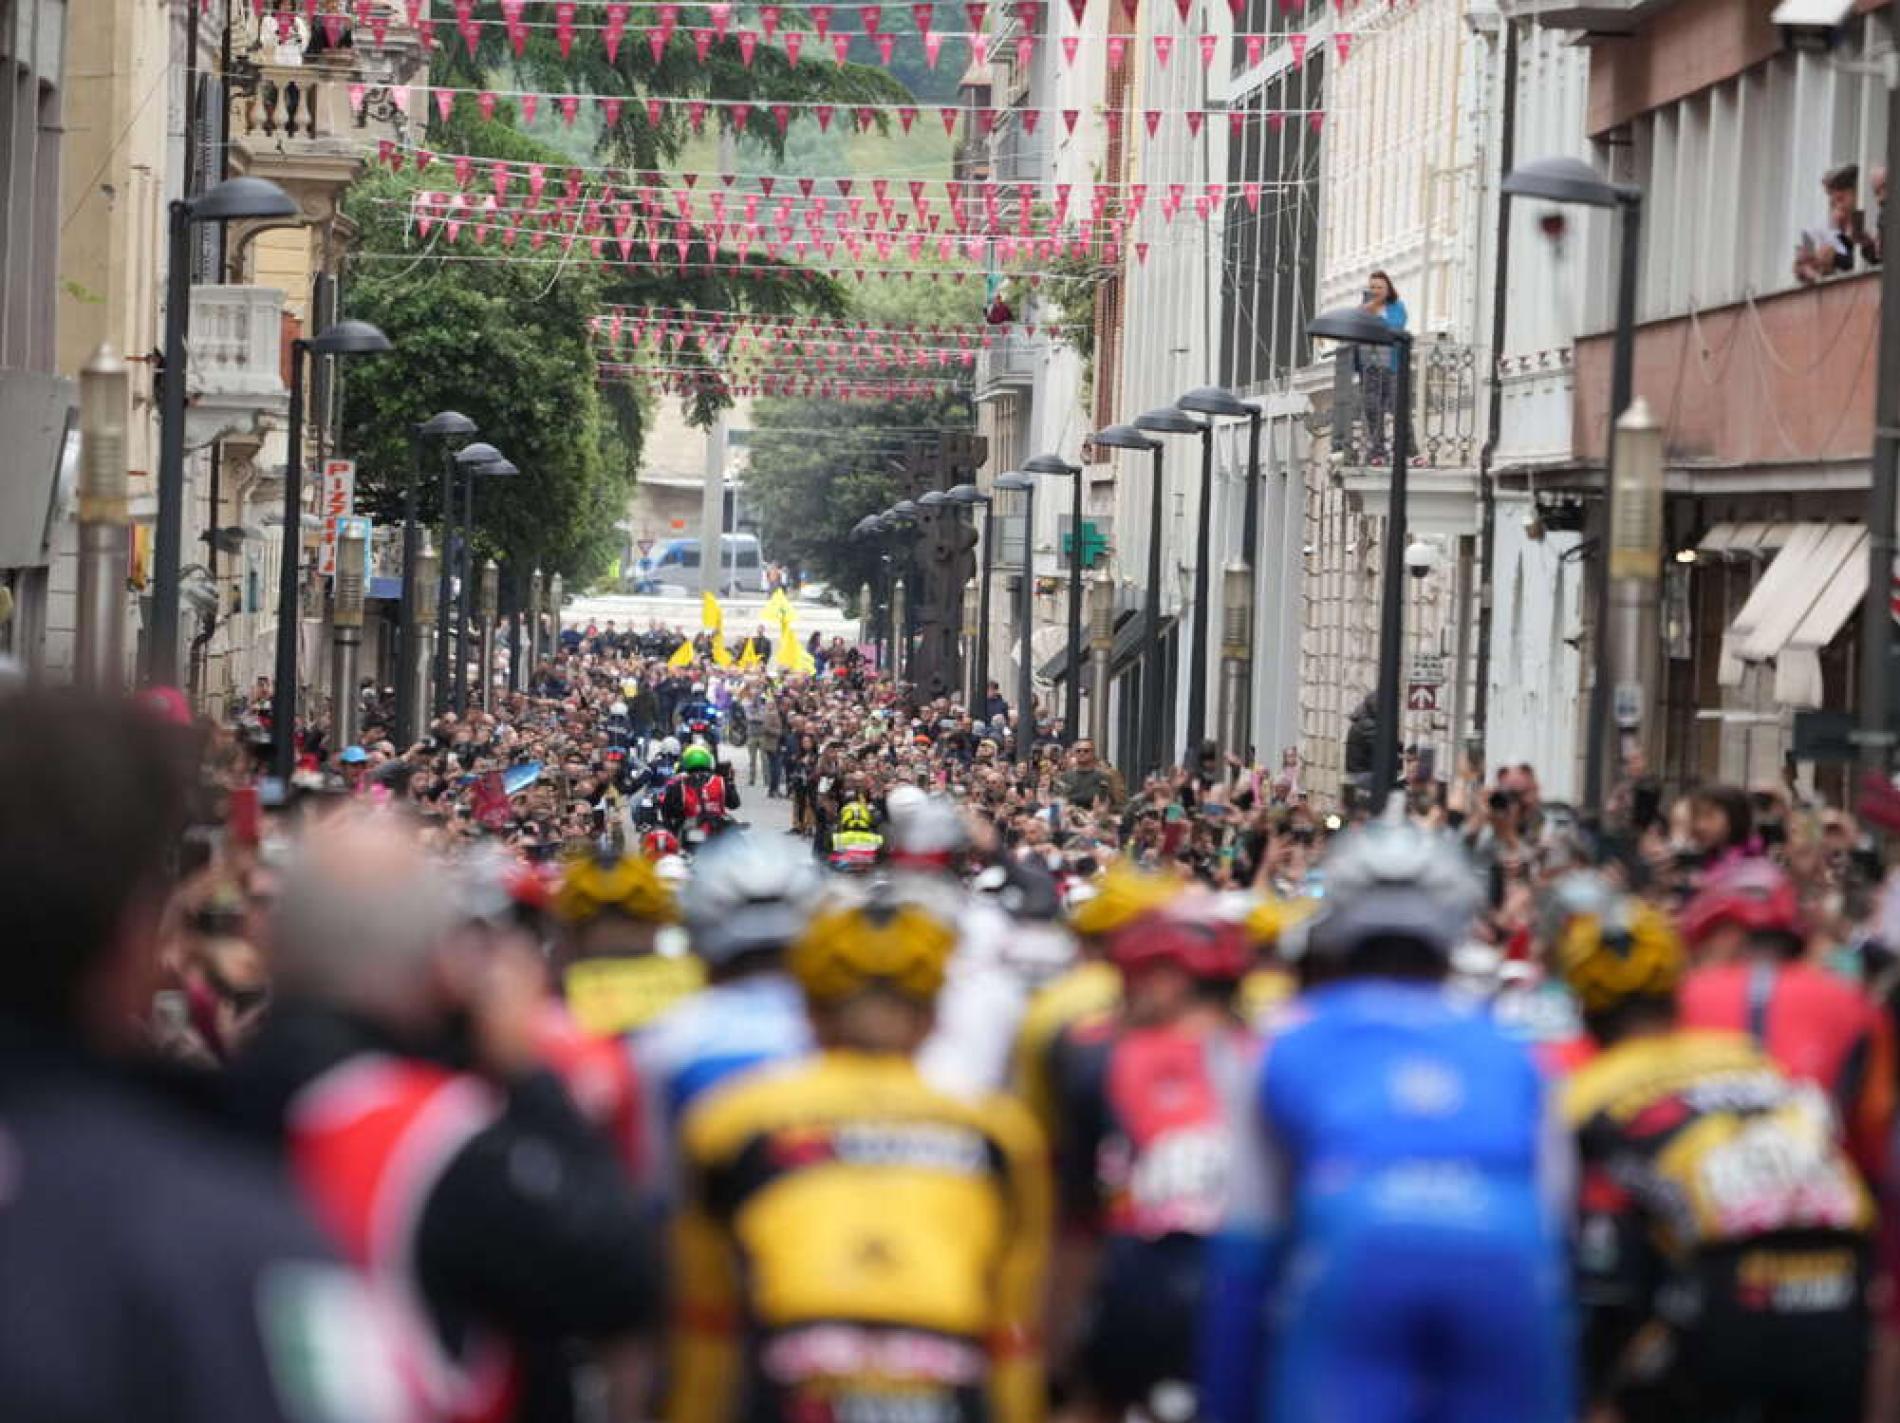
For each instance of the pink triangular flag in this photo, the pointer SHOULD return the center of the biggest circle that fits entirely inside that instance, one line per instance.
(1069, 116)
(1342, 45)
(1151, 118)
(1164, 49)
(1117, 51)
(1297, 42)
(1195, 118)
(748, 46)
(794, 42)
(841, 47)
(1069, 44)
(1208, 44)
(933, 46)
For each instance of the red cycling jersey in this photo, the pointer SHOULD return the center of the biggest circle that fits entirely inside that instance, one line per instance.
(1819, 1028)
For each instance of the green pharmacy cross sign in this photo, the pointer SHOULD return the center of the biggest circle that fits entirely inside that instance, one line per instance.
(1094, 544)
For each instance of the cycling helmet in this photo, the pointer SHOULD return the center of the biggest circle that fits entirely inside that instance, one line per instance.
(696, 758)
(1268, 922)
(1392, 881)
(1121, 894)
(927, 834)
(746, 896)
(855, 945)
(1570, 896)
(856, 816)
(656, 845)
(903, 801)
(1626, 951)
(1753, 895)
(1022, 889)
(1192, 933)
(628, 885)
(669, 746)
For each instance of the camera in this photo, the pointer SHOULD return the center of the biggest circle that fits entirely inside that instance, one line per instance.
(1811, 25)
(1420, 558)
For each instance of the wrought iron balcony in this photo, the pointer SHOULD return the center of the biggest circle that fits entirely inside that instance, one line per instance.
(1444, 413)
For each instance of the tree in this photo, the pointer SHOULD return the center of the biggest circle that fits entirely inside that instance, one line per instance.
(508, 345)
(819, 466)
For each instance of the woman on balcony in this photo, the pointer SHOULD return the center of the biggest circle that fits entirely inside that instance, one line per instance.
(1377, 367)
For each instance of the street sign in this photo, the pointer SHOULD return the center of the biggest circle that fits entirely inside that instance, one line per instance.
(644, 545)
(1428, 669)
(1421, 696)
(336, 499)
(1627, 701)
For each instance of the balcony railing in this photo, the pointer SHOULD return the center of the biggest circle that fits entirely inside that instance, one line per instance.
(1010, 362)
(235, 379)
(1444, 413)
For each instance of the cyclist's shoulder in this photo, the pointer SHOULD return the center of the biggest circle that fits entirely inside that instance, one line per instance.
(1652, 1067)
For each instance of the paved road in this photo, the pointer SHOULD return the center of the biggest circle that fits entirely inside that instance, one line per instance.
(743, 614)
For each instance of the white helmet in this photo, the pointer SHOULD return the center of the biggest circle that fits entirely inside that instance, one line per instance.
(926, 828)
(673, 869)
(617, 708)
(747, 896)
(1390, 881)
(670, 746)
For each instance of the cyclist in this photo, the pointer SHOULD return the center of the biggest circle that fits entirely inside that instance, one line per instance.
(1091, 988)
(1397, 1190)
(613, 977)
(746, 901)
(1142, 1170)
(1745, 928)
(1724, 1240)
(856, 1244)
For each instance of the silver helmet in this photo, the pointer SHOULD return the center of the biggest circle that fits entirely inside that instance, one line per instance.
(747, 895)
(1393, 881)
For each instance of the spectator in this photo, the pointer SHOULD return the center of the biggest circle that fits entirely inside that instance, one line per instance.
(149, 1255)
(995, 707)
(1378, 366)
(1828, 251)
(1088, 783)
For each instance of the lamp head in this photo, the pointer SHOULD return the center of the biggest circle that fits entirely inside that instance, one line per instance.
(1350, 324)
(479, 453)
(237, 198)
(865, 527)
(1124, 437)
(351, 338)
(447, 422)
(1565, 180)
(1050, 464)
(967, 494)
(501, 468)
(1013, 481)
(903, 509)
(1166, 420)
(933, 499)
(1213, 400)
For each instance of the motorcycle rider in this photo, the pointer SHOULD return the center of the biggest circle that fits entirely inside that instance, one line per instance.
(1725, 1234)
(855, 842)
(1395, 1225)
(699, 795)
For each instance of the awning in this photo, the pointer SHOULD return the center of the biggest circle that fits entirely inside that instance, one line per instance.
(1740, 540)
(1130, 640)
(1787, 591)
(1798, 664)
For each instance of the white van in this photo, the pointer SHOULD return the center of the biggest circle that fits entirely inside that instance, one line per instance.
(742, 567)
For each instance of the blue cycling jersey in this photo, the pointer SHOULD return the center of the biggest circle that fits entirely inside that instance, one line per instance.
(727, 1029)
(1393, 1248)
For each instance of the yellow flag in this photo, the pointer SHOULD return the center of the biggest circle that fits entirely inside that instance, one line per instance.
(721, 654)
(749, 654)
(711, 615)
(807, 665)
(778, 606)
(682, 655)
(788, 652)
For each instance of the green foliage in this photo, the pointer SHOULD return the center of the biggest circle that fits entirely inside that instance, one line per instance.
(808, 489)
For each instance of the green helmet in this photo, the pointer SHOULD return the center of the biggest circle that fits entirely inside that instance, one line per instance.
(696, 758)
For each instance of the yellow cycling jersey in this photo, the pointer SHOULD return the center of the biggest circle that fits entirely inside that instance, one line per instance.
(1086, 991)
(858, 1246)
(1709, 1143)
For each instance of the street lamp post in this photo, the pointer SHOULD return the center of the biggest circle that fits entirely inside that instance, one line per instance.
(497, 466)
(425, 618)
(448, 638)
(938, 501)
(490, 606)
(345, 338)
(1169, 421)
(105, 525)
(1215, 403)
(1072, 705)
(346, 632)
(901, 519)
(970, 496)
(1572, 181)
(1362, 328)
(1148, 705)
(232, 200)
(1016, 482)
(444, 424)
